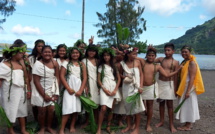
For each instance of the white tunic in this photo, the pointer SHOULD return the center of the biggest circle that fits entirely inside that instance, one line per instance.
(15, 107)
(131, 89)
(71, 103)
(189, 111)
(92, 77)
(109, 83)
(166, 90)
(48, 82)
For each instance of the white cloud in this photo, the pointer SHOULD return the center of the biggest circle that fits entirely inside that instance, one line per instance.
(202, 17)
(68, 13)
(20, 2)
(167, 7)
(75, 36)
(49, 1)
(70, 1)
(26, 30)
(209, 6)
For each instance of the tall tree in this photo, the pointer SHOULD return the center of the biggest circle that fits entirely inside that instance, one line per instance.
(7, 7)
(125, 12)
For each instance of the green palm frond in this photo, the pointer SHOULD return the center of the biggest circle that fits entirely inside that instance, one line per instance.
(4, 121)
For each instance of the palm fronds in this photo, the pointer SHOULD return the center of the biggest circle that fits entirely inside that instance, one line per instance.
(4, 121)
(32, 127)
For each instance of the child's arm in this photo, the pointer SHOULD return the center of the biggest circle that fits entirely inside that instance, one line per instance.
(141, 77)
(158, 60)
(57, 73)
(84, 80)
(64, 82)
(176, 78)
(0, 82)
(165, 74)
(40, 88)
(117, 84)
(107, 92)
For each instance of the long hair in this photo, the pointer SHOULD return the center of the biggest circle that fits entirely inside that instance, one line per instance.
(34, 52)
(92, 48)
(70, 53)
(112, 64)
(57, 51)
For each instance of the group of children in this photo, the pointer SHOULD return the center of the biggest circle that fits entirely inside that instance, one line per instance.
(108, 76)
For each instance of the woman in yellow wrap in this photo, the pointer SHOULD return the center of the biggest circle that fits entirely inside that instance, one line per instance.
(190, 86)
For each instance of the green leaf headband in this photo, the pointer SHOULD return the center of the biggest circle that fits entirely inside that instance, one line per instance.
(15, 50)
(70, 49)
(93, 48)
(107, 50)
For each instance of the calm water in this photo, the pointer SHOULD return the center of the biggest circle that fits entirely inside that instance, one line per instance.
(204, 61)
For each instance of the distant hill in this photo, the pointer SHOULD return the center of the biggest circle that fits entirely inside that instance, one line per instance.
(201, 38)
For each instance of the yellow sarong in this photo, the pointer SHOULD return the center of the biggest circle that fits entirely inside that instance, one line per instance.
(198, 82)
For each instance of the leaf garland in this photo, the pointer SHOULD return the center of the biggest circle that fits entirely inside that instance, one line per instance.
(15, 50)
(107, 50)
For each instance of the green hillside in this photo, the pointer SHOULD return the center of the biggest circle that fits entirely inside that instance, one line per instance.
(201, 38)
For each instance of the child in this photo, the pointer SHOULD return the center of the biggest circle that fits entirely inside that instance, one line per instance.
(91, 62)
(13, 83)
(74, 83)
(46, 79)
(61, 56)
(132, 70)
(167, 86)
(108, 80)
(33, 57)
(150, 91)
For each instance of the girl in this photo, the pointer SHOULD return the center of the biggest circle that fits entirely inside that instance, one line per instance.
(190, 86)
(91, 62)
(33, 57)
(61, 56)
(74, 83)
(108, 80)
(46, 79)
(13, 83)
(131, 68)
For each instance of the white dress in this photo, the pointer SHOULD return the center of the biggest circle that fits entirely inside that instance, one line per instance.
(109, 83)
(131, 89)
(71, 103)
(48, 82)
(92, 77)
(15, 107)
(189, 111)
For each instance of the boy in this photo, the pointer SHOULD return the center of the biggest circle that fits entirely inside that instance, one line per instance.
(150, 91)
(167, 86)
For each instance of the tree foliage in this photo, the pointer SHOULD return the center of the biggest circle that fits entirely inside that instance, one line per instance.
(125, 12)
(7, 7)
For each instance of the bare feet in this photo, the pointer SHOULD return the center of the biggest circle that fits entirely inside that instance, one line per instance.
(50, 130)
(148, 129)
(24, 132)
(136, 131)
(159, 124)
(172, 129)
(133, 127)
(61, 132)
(121, 124)
(72, 130)
(42, 131)
(98, 132)
(11, 131)
(126, 129)
(184, 128)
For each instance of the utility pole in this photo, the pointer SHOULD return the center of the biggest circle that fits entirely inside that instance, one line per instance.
(82, 32)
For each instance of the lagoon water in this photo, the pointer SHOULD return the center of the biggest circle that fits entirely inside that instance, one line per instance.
(205, 61)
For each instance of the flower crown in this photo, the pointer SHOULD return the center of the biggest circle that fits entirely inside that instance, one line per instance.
(15, 50)
(131, 49)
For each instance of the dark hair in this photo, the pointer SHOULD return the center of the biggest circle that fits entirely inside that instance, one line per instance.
(170, 45)
(91, 48)
(102, 62)
(57, 51)
(151, 50)
(8, 55)
(19, 43)
(70, 53)
(46, 46)
(186, 47)
(34, 52)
